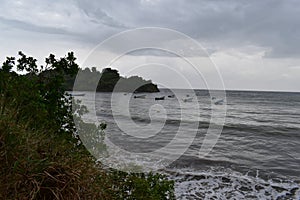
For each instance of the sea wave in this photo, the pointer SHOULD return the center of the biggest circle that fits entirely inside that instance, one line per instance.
(221, 183)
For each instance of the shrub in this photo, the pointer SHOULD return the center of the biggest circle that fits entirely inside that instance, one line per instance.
(41, 156)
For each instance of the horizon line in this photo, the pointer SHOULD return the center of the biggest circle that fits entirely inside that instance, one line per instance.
(237, 90)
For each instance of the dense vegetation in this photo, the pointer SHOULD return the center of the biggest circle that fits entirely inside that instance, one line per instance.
(41, 156)
(108, 79)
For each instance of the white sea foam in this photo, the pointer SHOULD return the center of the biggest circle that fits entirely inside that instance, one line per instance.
(228, 184)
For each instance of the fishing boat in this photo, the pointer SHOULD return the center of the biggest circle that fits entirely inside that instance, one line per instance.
(159, 98)
(139, 96)
(190, 99)
(171, 96)
(219, 102)
(78, 94)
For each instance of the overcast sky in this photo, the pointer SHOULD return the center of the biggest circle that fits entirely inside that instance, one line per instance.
(254, 44)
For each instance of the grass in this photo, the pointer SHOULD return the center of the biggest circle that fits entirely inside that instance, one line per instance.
(40, 155)
(39, 164)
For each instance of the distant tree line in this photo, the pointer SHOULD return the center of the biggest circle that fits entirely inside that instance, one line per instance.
(108, 80)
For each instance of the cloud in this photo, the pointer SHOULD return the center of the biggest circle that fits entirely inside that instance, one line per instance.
(270, 24)
(97, 15)
(18, 24)
(236, 33)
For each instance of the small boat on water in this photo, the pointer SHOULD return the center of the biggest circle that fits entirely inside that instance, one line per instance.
(159, 98)
(139, 96)
(190, 99)
(219, 102)
(171, 96)
(78, 94)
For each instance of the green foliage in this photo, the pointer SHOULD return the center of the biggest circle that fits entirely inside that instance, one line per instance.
(41, 156)
(107, 80)
(142, 186)
(39, 97)
(40, 164)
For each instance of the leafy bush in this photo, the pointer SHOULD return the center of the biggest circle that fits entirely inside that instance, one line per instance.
(41, 156)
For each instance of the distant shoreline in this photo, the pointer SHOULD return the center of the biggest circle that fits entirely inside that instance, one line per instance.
(162, 89)
(232, 90)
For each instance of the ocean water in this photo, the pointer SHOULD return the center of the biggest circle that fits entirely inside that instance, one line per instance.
(257, 155)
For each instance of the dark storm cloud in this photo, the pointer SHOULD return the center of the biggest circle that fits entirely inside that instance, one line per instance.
(271, 24)
(253, 42)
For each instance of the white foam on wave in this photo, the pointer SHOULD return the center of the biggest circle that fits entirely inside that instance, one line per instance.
(228, 184)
